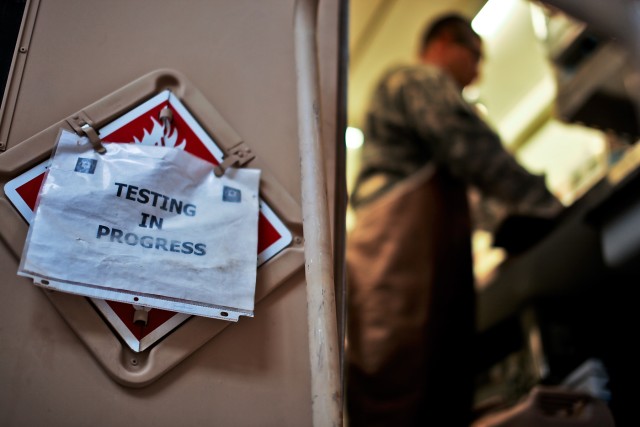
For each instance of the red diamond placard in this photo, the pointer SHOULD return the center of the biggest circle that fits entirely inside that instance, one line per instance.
(143, 125)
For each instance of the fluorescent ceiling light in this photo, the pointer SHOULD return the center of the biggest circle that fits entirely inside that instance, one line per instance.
(492, 16)
(539, 21)
(354, 138)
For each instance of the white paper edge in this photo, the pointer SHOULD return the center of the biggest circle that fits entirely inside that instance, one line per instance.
(232, 314)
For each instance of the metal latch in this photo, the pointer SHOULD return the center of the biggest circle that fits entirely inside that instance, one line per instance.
(238, 155)
(83, 126)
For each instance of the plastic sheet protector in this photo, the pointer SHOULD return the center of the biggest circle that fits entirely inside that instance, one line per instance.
(148, 225)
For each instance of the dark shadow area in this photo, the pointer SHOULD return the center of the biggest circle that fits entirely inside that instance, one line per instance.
(11, 12)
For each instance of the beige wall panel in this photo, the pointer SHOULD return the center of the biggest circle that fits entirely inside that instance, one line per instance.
(239, 55)
(253, 373)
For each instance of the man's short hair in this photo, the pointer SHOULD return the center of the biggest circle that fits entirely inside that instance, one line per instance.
(453, 24)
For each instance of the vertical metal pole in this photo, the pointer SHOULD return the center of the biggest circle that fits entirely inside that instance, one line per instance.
(323, 334)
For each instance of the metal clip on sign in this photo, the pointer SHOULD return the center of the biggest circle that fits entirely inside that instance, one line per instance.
(238, 155)
(84, 126)
(94, 138)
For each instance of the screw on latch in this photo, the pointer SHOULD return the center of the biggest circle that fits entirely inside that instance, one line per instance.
(140, 315)
(23, 49)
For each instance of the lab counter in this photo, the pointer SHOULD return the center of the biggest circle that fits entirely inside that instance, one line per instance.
(591, 243)
(565, 298)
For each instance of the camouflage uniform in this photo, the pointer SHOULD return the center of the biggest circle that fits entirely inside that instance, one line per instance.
(411, 298)
(418, 116)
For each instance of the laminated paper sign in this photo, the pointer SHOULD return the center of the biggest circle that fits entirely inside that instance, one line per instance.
(148, 225)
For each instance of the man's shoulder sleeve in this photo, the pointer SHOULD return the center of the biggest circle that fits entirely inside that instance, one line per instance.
(430, 86)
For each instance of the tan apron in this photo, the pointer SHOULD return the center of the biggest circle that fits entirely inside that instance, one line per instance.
(411, 306)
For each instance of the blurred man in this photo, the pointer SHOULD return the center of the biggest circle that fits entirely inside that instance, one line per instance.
(411, 296)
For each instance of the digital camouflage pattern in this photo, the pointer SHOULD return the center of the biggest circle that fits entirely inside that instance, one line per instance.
(418, 115)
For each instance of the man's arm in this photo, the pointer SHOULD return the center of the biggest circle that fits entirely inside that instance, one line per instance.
(464, 144)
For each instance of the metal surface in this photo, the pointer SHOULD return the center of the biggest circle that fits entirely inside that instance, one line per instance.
(326, 397)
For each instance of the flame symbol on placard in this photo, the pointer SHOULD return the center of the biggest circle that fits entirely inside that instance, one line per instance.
(161, 136)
